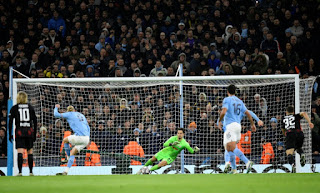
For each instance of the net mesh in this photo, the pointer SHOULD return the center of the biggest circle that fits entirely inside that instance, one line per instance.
(147, 114)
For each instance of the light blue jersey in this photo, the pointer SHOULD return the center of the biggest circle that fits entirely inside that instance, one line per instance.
(235, 110)
(77, 121)
(254, 116)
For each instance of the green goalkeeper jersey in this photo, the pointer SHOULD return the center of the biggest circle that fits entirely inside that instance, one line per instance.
(173, 151)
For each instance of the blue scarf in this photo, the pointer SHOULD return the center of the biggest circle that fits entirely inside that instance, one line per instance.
(82, 63)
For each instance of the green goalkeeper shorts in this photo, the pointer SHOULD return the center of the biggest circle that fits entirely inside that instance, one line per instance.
(164, 156)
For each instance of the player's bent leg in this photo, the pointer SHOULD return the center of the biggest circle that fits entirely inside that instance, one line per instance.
(302, 156)
(240, 154)
(160, 165)
(150, 161)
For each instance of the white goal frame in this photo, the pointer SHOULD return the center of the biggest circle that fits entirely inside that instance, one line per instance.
(155, 79)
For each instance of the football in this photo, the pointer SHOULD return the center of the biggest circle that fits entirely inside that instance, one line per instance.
(145, 170)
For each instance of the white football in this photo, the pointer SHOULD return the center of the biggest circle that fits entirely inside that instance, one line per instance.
(145, 170)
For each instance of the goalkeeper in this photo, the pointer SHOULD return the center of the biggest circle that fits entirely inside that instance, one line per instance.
(172, 147)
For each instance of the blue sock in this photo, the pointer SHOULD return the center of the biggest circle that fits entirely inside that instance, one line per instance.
(67, 148)
(70, 162)
(232, 160)
(240, 154)
(226, 156)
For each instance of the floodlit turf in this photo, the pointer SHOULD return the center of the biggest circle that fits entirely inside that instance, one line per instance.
(199, 183)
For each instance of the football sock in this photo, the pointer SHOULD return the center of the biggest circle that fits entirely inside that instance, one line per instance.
(155, 167)
(70, 162)
(240, 154)
(20, 160)
(232, 160)
(148, 163)
(226, 156)
(30, 162)
(290, 159)
(67, 149)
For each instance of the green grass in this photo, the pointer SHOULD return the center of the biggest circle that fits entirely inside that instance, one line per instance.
(198, 183)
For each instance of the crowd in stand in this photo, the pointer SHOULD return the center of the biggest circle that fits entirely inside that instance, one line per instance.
(135, 38)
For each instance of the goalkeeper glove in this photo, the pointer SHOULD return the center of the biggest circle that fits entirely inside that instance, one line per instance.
(174, 143)
(196, 149)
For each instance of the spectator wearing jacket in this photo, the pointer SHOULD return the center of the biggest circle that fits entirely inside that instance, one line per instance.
(181, 60)
(158, 70)
(270, 46)
(133, 148)
(92, 159)
(268, 153)
(57, 23)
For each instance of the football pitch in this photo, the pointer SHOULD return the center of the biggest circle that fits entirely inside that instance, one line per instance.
(198, 183)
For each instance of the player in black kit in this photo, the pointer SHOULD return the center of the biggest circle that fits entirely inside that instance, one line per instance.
(294, 135)
(25, 130)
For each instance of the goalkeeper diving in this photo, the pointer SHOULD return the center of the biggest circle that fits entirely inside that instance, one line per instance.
(172, 147)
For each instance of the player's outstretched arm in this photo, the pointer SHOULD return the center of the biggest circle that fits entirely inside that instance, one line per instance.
(305, 115)
(190, 149)
(253, 127)
(60, 115)
(56, 112)
(255, 117)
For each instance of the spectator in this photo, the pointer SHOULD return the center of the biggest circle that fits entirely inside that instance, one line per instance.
(167, 28)
(195, 63)
(270, 46)
(291, 56)
(227, 69)
(192, 134)
(268, 153)
(3, 142)
(57, 23)
(260, 64)
(181, 60)
(120, 139)
(275, 132)
(296, 29)
(133, 148)
(92, 159)
(159, 70)
(280, 154)
(214, 62)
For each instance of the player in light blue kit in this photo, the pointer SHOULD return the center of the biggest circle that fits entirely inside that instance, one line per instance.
(231, 114)
(79, 125)
(237, 151)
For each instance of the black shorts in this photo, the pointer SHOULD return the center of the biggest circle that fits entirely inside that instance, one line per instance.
(24, 142)
(294, 140)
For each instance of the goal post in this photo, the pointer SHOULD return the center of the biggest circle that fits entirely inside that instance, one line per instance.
(147, 111)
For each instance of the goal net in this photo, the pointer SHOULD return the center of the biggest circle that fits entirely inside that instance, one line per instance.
(130, 119)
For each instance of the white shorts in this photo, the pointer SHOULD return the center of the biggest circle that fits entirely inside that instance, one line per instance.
(233, 133)
(79, 142)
